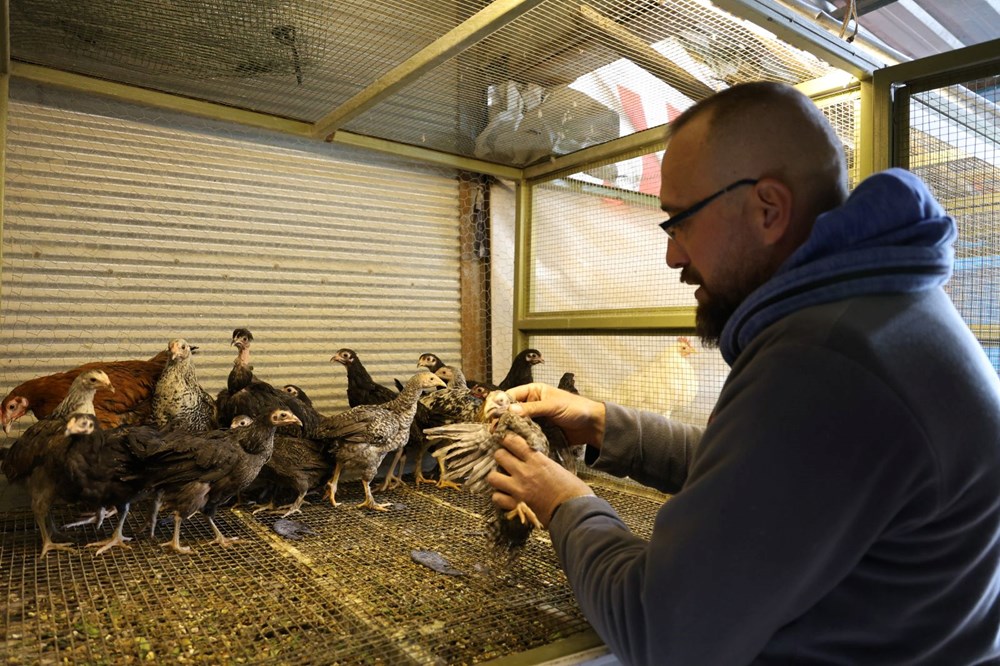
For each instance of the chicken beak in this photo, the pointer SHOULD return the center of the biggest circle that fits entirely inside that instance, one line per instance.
(6, 427)
(111, 388)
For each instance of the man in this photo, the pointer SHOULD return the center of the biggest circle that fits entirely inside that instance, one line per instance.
(843, 503)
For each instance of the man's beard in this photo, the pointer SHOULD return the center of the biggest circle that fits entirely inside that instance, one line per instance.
(722, 300)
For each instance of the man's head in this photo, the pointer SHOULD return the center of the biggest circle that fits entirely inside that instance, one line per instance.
(769, 134)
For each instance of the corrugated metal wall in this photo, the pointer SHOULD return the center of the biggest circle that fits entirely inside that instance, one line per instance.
(126, 226)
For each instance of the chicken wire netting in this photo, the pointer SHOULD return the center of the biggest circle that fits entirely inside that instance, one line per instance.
(548, 78)
(347, 590)
(954, 145)
(671, 375)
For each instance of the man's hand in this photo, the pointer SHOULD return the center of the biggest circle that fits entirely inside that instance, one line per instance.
(580, 418)
(532, 478)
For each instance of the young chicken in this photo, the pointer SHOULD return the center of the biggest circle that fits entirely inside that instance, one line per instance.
(361, 437)
(197, 472)
(468, 450)
(179, 401)
(37, 458)
(130, 404)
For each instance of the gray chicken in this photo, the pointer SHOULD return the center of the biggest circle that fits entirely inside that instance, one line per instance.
(179, 401)
(361, 437)
(38, 456)
(197, 472)
(468, 450)
(454, 404)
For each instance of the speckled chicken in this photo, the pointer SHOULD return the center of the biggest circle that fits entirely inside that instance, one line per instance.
(468, 450)
(454, 404)
(362, 436)
(130, 404)
(179, 401)
(247, 394)
(363, 390)
(197, 472)
(37, 458)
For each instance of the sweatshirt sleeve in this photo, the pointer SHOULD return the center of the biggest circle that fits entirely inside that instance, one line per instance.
(765, 525)
(647, 447)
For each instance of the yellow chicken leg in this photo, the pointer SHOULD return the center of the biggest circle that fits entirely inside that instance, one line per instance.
(370, 501)
(524, 513)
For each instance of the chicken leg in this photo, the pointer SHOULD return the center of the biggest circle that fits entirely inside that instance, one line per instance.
(117, 539)
(370, 500)
(524, 513)
(175, 543)
(220, 538)
(393, 480)
(331, 486)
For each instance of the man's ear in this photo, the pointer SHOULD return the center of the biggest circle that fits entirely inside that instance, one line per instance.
(774, 208)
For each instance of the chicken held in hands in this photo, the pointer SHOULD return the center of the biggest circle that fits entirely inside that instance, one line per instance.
(468, 450)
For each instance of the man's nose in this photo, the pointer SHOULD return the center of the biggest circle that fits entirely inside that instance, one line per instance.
(676, 257)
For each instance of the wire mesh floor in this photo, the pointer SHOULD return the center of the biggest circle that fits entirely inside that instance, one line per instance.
(348, 594)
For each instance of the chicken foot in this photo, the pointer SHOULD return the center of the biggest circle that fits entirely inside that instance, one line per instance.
(97, 517)
(370, 500)
(220, 538)
(175, 543)
(117, 539)
(443, 481)
(294, 507)
(524, 513)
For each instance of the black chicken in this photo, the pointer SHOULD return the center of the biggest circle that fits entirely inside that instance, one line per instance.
(568, 383)
(468, 450)
(431, 362)
(179, 401)
(197, 472)
(105, 468)
(361, 437)
(246, 394)
(299, 464)
(297, 392)
(520, 369)
(37, 458)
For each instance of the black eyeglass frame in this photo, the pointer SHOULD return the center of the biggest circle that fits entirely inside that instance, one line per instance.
(669, 224)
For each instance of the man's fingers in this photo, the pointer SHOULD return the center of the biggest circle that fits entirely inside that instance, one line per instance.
(504, 501)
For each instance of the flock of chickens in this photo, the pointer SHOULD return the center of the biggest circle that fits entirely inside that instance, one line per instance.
(109, 434)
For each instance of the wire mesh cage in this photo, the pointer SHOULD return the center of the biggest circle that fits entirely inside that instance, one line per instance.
(953, 145)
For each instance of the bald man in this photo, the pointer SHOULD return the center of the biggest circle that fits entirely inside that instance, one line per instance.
(842, 506)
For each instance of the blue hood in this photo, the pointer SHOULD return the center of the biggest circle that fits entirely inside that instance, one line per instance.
(890, 236)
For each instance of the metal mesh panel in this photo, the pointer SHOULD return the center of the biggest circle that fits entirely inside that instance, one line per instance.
(293, 59)
(644, 371)
(953, 146)
(843, 111)
(563, 77)
(348, 594)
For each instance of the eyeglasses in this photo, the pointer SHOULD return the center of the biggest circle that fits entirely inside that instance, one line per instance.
(669, 225)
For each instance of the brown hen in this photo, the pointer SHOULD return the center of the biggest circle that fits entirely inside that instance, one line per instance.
(130, 404)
